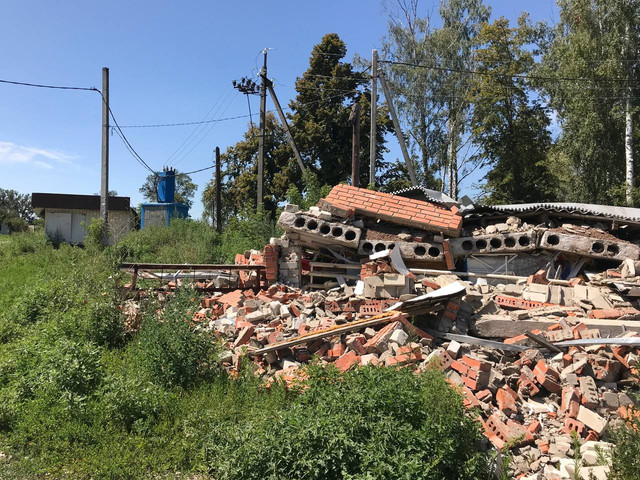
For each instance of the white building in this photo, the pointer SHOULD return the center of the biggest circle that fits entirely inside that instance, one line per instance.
(65, 215)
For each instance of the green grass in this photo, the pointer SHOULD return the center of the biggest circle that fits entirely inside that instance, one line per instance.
(82, 398)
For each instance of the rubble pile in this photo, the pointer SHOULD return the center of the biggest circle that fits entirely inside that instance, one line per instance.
(528, 398)
(530, 311)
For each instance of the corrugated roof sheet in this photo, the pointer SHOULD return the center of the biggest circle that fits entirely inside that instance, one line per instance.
(606, 211)
(430, 195)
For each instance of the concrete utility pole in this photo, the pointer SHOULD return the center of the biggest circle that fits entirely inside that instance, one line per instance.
(283, 119)
(104, 183)
(354, 118)
(396, 126)
(218, 193)
(374, 113)
(263, 109)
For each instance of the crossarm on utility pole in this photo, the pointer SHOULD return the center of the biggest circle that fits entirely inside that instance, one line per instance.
(396, 125)
(283, 120)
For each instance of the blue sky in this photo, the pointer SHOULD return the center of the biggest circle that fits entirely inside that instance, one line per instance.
(169, 62)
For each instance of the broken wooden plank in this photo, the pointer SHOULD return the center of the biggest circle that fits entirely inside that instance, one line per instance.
(331, 331)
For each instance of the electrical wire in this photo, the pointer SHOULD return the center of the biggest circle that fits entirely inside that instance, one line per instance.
(188, 140)
(492, 74)
(117, 128)
(124, 138)
(200, 170)
(58, 87)
(205, 132)
(182, 124)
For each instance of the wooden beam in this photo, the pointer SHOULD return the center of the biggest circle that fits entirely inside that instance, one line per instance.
(331, 331)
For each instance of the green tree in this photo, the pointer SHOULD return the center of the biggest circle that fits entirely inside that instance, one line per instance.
(240, 173)
(15, 205)
(433, 99)
(596, 42)
(322, 131)
(185, 188)
(510, 129)
(410, 40)
(321, 127)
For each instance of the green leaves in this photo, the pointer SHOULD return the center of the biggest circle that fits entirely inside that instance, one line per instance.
(370, 423)
(510, 129)
(174, 353)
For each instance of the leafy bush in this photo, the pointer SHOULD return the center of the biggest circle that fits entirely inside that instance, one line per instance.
(371, 423)
(73, 368)
(174, 353)
(95, 233)
(55, 238)
(251, 231)
(626, 453)
(130, 402)
(26, 243)
(313, 191)
(37, 301)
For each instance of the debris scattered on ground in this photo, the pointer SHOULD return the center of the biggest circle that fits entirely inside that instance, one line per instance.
(534, 319)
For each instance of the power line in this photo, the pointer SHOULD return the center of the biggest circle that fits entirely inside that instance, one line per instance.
(200, 170)
(188, 140)
(58, 87)
(205, 132)
(182, 124)
(515, 75)
(89, 89)
(124, 138)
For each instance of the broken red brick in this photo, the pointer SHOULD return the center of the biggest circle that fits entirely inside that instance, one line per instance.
(476, 363)
(573, 425)
(507, 399)
(534, 427)
(346, 361)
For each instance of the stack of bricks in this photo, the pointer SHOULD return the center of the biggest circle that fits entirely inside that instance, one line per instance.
(271, 263)
(475, 373)
(396, 209)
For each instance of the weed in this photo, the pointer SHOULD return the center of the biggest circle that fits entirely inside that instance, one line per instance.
(356, 426)
(577, 456)
(175, 354)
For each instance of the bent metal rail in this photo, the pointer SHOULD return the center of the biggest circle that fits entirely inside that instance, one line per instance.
(135, 269)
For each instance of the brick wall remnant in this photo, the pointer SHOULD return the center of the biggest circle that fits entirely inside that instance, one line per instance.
(396, 209)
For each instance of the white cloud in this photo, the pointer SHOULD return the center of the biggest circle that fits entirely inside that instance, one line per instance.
(12, 153)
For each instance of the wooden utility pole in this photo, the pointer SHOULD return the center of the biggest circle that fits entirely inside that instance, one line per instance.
(354, 118)
(218, 193)
(263, 109)
(374, 113)
(283, 120)
(396, 126)
(104, 174)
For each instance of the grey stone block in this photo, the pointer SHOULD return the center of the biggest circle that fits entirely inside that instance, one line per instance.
(318, 231)
(408, 250)
(589, 247)
(496, 243)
